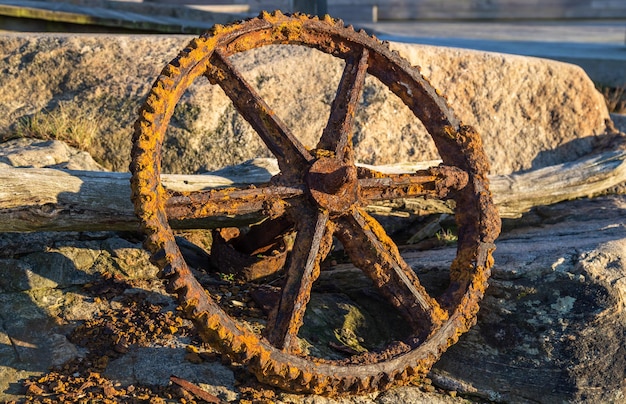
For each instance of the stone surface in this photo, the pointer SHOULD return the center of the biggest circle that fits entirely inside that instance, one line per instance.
(36, 153)
(144, 366)
(551, 328)
(530, 112)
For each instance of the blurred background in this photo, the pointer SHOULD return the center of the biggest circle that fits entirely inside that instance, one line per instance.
(191, 16)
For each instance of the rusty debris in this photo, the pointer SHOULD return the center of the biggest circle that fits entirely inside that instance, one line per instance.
(319, 194)
(256, 255)
(195, 390)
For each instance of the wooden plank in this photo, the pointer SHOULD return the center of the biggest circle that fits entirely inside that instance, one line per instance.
(516, 194)
(34, 199)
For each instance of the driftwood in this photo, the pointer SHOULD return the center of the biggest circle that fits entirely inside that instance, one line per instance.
(33, 199)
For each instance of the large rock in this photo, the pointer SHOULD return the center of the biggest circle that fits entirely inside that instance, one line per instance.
(37, 153)
(552, 326)
(530, 112)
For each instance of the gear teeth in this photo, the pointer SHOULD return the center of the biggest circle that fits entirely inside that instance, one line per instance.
(293, 372)
(237, 346)
(386, 381)
(263, 362)
(215, 29)
(171, 70)
(273, 368)
(412, 372)
(196, 43)
(203, 320)
(175, 62)
(320, 384)
(265, 365)
(212, 321)
(168, 83)
(161, 90)
(363, 385)
(189, 305)
(401, 375)
(347, 383)
(375, 382)
(152, 101)
(225, 337)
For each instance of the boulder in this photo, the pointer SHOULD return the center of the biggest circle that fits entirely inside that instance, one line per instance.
(552, 325)
(37, 153)
(530, 112)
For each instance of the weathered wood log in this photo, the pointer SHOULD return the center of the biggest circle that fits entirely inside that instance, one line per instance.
(516, 194)
(33, 199)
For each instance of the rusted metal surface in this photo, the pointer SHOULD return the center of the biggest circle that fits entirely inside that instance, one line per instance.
(333, 185)
(375, 253)
(245, 266)
(253, 256)
(314, 233)
(195, 390)
(319, 194)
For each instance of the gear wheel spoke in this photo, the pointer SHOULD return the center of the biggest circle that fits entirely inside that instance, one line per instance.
(377, 256)
(312, 244)
(229, 201)
(337, 135)
(291, 154)
(436, 182)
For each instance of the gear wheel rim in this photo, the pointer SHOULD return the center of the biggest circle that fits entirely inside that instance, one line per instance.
(271, 365)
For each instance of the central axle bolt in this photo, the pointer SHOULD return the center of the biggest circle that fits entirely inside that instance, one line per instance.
(333, 184)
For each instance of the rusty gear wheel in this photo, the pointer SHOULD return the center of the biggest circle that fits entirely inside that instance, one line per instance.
(323, 193)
